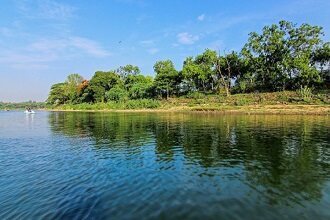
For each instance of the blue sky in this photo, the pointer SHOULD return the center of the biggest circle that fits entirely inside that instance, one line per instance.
(42, 41)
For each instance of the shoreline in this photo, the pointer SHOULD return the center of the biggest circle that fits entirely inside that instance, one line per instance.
(244, 110)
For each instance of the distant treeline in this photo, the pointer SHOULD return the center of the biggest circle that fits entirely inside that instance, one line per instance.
(284, 56)
(22, 105)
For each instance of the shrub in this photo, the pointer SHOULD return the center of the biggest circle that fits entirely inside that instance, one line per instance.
(142, 103)
(305, 93)
(195, 95)
(241, 100)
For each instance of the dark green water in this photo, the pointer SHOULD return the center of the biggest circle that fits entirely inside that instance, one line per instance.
(163, 166)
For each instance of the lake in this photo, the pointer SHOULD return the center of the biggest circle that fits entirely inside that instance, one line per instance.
(56, 165)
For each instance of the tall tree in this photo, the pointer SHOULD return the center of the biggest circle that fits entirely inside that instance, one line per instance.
(167, 78)
(227, 67)
(74, 79)
(57, 94)
(280, 57)
(71, 86)
(199, 72)
(206, 63)
(190, 73)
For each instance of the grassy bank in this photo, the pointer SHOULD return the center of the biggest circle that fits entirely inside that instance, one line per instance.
(254, 103)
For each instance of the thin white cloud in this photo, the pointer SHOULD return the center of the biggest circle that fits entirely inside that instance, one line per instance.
(142, 18)
(14, 57)
(5, 31)
(141, 3)
(150, 46)
(84, 45)
(46, 9)
(41, 53)
(27, 61)
(32, 51)
(201, 17)
(89, 46)
(153, 51)
(46, 45)
(147, 42)
(186, 38)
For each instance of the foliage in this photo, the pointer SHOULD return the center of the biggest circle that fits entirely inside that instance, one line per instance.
(57, 94)
(71, 86)
(321, 59)
(199, 72)
(140, 86)
(142, 103)
(282, 57)
(82, 86)
(102, 82)
(128, 70)
(195, 95)
(117, 93)
(167, 78)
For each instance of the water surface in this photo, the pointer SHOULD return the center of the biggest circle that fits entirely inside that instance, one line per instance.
(163, 166)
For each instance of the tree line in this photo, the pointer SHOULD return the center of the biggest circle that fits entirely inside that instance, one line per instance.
(283, 56)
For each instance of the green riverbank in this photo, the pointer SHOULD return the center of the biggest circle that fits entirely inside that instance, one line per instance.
(256, 103)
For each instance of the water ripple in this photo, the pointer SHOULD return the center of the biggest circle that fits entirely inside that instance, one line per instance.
(163, 166)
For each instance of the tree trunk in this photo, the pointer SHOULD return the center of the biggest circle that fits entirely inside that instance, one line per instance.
(227, 91)
(167, 95)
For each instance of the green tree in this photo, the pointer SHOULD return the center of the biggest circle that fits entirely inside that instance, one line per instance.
(139, 86)
(74, 79)
(57, 94)
(167, 78)
(71, 86)
(190, 73)
(135, 79)
(321, 60)
(210, 71)
(199, 72)
(228, 68)
(128, 70)
(206, 63)
(280, 57)
(102, 82)
(116, 93)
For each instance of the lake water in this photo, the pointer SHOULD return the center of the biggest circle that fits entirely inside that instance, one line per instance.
(163, 166)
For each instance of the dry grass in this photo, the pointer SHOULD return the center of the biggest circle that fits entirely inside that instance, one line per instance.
(249, 109)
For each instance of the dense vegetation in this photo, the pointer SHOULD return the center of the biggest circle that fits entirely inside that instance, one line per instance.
(283, 57)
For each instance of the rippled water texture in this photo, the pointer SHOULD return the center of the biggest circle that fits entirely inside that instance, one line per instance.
(163, 166)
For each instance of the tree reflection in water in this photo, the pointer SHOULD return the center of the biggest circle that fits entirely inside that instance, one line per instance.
(282, 159)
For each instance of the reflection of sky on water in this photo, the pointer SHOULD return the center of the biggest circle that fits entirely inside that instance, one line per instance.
(18, 124)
